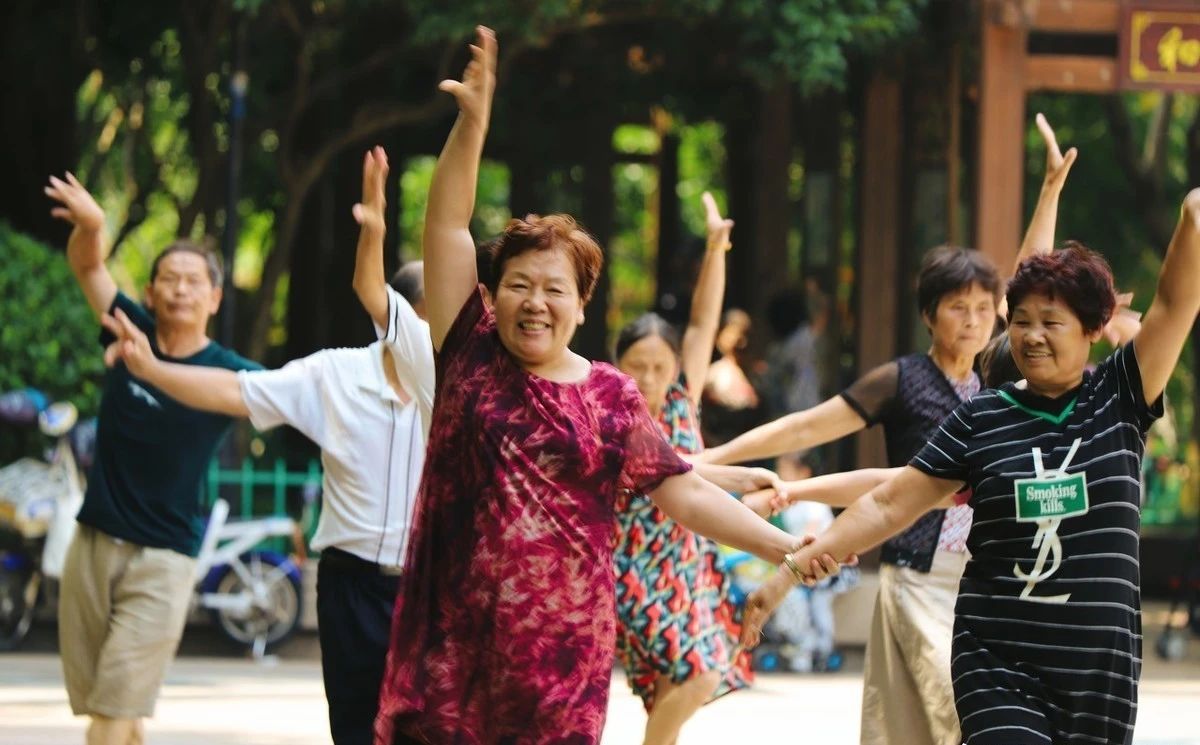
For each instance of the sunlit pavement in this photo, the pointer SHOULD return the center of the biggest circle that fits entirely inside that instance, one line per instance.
(211, 698)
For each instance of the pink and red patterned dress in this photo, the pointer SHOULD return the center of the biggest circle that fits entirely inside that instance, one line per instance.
(674, 617)
(504, 630)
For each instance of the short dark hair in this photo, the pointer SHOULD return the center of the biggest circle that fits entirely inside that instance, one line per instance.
(409, 281)
(949, 269)
(216, 271)
(643, 327)
(787, 310)
(1075, 273)
(997, 363)
(538, 233)
(483, 260)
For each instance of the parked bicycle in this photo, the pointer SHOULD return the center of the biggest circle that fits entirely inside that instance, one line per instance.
(253, 595)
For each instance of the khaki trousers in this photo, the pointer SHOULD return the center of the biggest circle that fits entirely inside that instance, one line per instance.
(908, 698)
(121, 611)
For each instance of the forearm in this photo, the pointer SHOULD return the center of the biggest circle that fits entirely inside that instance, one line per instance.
(838, 489)
(369, 281)
(85, 250)
(205, 388)
(784, 435)
(730, 478)
(882, 512)
(1179, 278)
(452, 190)
(702, 507)
(708, 297)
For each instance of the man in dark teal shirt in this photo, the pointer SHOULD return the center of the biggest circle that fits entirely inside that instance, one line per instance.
(128, 577)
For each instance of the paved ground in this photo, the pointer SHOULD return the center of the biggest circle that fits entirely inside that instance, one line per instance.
(210, 698)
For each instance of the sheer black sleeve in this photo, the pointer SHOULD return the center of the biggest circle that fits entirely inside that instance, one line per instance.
(872, 395)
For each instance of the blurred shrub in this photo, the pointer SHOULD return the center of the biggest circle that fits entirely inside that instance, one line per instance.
(48, 335)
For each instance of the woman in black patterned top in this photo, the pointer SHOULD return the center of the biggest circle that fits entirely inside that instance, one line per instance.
(1047, 635)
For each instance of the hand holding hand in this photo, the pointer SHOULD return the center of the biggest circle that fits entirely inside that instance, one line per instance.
(132, 347)
(369, 213)
(75, 204)
(761, 502)
(718, 228)
(1057, 164)
(474, 92)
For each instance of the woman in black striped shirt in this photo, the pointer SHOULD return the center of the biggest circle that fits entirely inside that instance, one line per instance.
(1047, 635)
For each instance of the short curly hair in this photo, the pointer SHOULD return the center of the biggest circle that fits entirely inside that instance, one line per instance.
(538, 233)
(1076, 274)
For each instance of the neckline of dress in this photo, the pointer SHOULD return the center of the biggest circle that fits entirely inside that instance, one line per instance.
(568, 383)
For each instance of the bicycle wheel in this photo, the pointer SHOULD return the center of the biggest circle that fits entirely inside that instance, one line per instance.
(274, 593)
(18, 600)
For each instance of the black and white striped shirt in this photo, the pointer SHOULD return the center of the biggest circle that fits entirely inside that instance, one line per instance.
(1062, 668)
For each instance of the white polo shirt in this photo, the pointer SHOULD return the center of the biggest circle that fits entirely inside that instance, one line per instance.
(372, 445)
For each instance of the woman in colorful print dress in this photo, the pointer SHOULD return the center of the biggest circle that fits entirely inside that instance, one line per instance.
(504, 629)
(676, 633)
(1047, 631)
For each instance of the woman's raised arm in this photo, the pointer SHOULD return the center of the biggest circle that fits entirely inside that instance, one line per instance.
(450, 275)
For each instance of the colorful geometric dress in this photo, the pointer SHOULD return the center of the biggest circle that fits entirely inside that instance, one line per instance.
(674, 617)
(503, 630)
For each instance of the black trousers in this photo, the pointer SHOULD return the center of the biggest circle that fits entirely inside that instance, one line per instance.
(354, 618)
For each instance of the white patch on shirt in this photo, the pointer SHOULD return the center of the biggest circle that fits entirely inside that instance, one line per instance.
(142, 393)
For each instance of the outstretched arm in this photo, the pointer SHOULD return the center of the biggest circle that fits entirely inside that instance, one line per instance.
(1176, 302)
(1039, 236)
(85, 247)
(884, 511)
(823, 423)
(704, 508)
(450, 275)
(370, 284)
(206, 388)
(705, 320)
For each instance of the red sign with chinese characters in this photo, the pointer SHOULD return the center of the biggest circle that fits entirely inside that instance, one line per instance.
(1160, 46)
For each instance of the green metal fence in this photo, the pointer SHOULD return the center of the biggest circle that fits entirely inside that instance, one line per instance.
(263, 492)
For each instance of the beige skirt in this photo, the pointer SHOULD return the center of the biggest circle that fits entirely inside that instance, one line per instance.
(907, 695)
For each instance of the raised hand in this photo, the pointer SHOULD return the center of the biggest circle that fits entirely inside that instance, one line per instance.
(1125, 322)
(75, 204)
(369, 213)
(717, 227)
(131, 347)
(1058, 165)
(474, 92)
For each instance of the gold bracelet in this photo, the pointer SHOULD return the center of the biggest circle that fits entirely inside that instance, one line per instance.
(794, 568)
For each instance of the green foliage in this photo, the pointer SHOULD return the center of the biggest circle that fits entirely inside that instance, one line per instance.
(47, 331)
(491, 202)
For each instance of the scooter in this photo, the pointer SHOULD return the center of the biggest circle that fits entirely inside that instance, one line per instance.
(38, 503)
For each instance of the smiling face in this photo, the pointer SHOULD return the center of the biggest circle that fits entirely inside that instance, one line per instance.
(537, 307)
(182, 294)
(1049, 344)
(962, 322)
(652, 364)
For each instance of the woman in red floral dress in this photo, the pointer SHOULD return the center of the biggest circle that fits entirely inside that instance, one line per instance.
(504, 629)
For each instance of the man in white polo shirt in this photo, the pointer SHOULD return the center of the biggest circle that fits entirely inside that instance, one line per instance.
(368, 410)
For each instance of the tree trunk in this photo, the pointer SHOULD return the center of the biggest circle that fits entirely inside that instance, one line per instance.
(37, 96)
(591, 340)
